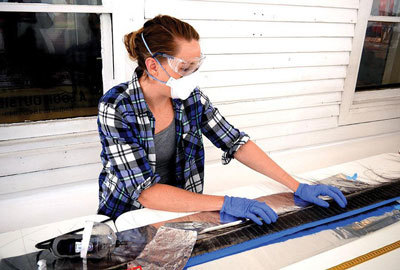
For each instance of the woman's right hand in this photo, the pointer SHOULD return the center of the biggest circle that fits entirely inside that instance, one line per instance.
(235, 208)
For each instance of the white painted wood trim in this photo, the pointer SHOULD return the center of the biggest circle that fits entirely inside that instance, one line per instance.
(38, 7)
(314, 3)
(107, 51)
(366, 114)
(128, 16)
(355, 57)
(384, 19)
(47, 128)
(370, 96)
(374, 105)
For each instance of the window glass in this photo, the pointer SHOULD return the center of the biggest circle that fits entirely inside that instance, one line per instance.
(386, 8)
(50, 65)
(380, 61)
(59, 2)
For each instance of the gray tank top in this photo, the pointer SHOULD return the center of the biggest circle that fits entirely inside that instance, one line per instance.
(164, 142)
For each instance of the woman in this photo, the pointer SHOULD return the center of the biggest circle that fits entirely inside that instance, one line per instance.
(151, 132)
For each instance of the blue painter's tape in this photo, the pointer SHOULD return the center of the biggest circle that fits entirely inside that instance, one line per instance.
(354, 177)
(277, 237)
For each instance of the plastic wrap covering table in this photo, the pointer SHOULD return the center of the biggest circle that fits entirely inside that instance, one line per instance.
(228, 241)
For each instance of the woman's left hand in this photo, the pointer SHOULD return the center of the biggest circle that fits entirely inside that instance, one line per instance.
(310, 193)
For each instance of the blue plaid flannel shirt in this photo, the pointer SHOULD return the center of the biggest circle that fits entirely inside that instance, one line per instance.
(126, 129)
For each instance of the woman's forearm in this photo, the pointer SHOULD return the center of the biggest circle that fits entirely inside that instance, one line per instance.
(255, 158)
(169, 198)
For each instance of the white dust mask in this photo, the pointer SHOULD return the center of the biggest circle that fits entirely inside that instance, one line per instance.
(182, 88)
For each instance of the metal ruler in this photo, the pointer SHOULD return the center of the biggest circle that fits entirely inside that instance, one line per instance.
(366, 257)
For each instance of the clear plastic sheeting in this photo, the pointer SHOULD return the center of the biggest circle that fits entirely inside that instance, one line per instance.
(170, 249)
(284, 202)
(368, 225)
(191, 225)
(281, 203)
(132, 242)
(345, 185)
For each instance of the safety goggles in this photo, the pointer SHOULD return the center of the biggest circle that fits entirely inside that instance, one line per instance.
(181, 66)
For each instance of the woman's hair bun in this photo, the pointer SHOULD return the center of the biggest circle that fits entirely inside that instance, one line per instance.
(130, 45)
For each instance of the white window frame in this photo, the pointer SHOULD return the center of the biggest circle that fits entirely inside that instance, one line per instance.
(117, 18)
(366, 106)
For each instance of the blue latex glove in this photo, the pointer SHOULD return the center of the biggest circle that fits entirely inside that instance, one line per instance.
(235, 208)
(310, 193)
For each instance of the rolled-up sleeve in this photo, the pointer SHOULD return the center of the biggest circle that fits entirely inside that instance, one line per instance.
(127, 158)
(222, 134)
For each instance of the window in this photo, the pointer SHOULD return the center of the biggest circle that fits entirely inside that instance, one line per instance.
(51, 63)
(372, 83)
(116, 18)
(380, 61)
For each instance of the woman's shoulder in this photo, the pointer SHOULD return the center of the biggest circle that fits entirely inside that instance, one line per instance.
(125, 95)
(115, 94)
(197, 96)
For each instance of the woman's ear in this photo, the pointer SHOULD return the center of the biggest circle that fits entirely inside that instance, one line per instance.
(152, 66)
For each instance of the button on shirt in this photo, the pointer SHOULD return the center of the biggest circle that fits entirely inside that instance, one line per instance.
(126, 128)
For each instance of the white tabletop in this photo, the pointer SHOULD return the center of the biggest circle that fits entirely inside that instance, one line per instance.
(22, 241)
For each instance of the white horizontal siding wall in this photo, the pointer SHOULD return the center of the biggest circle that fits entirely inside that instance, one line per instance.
(274, 68)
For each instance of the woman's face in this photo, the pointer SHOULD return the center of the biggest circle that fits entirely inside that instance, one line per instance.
(188, 51)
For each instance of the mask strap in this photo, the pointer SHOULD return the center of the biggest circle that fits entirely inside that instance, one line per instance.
(152, 55)
(154, 78)
(145, 44)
